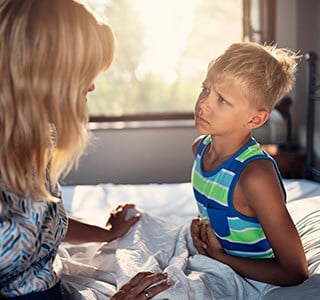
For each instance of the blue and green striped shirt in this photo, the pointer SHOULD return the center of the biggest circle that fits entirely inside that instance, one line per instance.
(30, 234)
(238, 234)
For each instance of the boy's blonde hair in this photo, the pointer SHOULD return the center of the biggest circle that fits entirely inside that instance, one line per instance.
(50, 53)
(266, 73)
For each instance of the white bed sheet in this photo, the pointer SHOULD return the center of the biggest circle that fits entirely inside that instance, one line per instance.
(160, 241)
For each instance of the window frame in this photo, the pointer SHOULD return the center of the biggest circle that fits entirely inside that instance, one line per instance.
(266, 31)
(266, 34)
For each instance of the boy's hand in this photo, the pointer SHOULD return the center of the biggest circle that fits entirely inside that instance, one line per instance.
(204, 239)
(196, 234)
(213, 246)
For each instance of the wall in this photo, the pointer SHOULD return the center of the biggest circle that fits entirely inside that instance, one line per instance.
(308, 31)
(142, 153)
(298, 27)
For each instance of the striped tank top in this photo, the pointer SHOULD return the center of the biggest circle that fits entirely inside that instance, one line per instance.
(238, 234)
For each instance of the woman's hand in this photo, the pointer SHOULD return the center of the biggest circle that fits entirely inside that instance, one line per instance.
(117, 224)
(204, 239)
(138, 288)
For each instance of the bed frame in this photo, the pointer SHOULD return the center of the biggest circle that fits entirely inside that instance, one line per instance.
(312, 170)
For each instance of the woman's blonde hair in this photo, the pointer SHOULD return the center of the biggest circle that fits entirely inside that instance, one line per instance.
(50, 53)
(265, 72)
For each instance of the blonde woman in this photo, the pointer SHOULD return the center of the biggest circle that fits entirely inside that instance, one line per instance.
(50, 54)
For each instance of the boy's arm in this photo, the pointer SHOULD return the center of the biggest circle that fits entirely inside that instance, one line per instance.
(262, 189)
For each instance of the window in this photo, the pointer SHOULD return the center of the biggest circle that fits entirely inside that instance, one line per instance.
(162, 51)
(259, 20)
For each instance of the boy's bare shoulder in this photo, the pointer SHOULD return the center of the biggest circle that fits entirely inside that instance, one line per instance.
(195, 143)
(260, 172)
(261, 186)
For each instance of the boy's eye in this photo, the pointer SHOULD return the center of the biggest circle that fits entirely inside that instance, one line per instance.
(221, 100)
(205, 91)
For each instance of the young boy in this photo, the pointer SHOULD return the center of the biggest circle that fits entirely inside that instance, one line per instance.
(237, 185)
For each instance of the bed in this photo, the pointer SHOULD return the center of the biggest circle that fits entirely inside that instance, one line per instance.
(161, 241)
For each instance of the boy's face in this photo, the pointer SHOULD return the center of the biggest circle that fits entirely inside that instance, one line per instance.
(222, 108)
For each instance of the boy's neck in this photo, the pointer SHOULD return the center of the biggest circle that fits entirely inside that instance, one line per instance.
(222, 148)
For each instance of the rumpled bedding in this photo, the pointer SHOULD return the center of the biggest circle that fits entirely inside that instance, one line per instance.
(161, 242)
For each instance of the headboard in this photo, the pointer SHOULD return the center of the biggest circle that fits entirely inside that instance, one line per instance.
(313, 128)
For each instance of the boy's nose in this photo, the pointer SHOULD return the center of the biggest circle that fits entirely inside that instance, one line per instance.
(204, 104)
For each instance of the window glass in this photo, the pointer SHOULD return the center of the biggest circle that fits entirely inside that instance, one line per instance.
(162, 52)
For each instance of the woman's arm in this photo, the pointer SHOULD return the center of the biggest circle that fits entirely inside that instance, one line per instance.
(116, 226)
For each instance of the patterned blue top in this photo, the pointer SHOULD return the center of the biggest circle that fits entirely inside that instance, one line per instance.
(31, 233)
(238, 234)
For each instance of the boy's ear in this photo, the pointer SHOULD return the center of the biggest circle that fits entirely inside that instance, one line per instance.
(258, 119)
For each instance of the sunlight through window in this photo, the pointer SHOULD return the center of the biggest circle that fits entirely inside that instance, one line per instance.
(162, 52)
